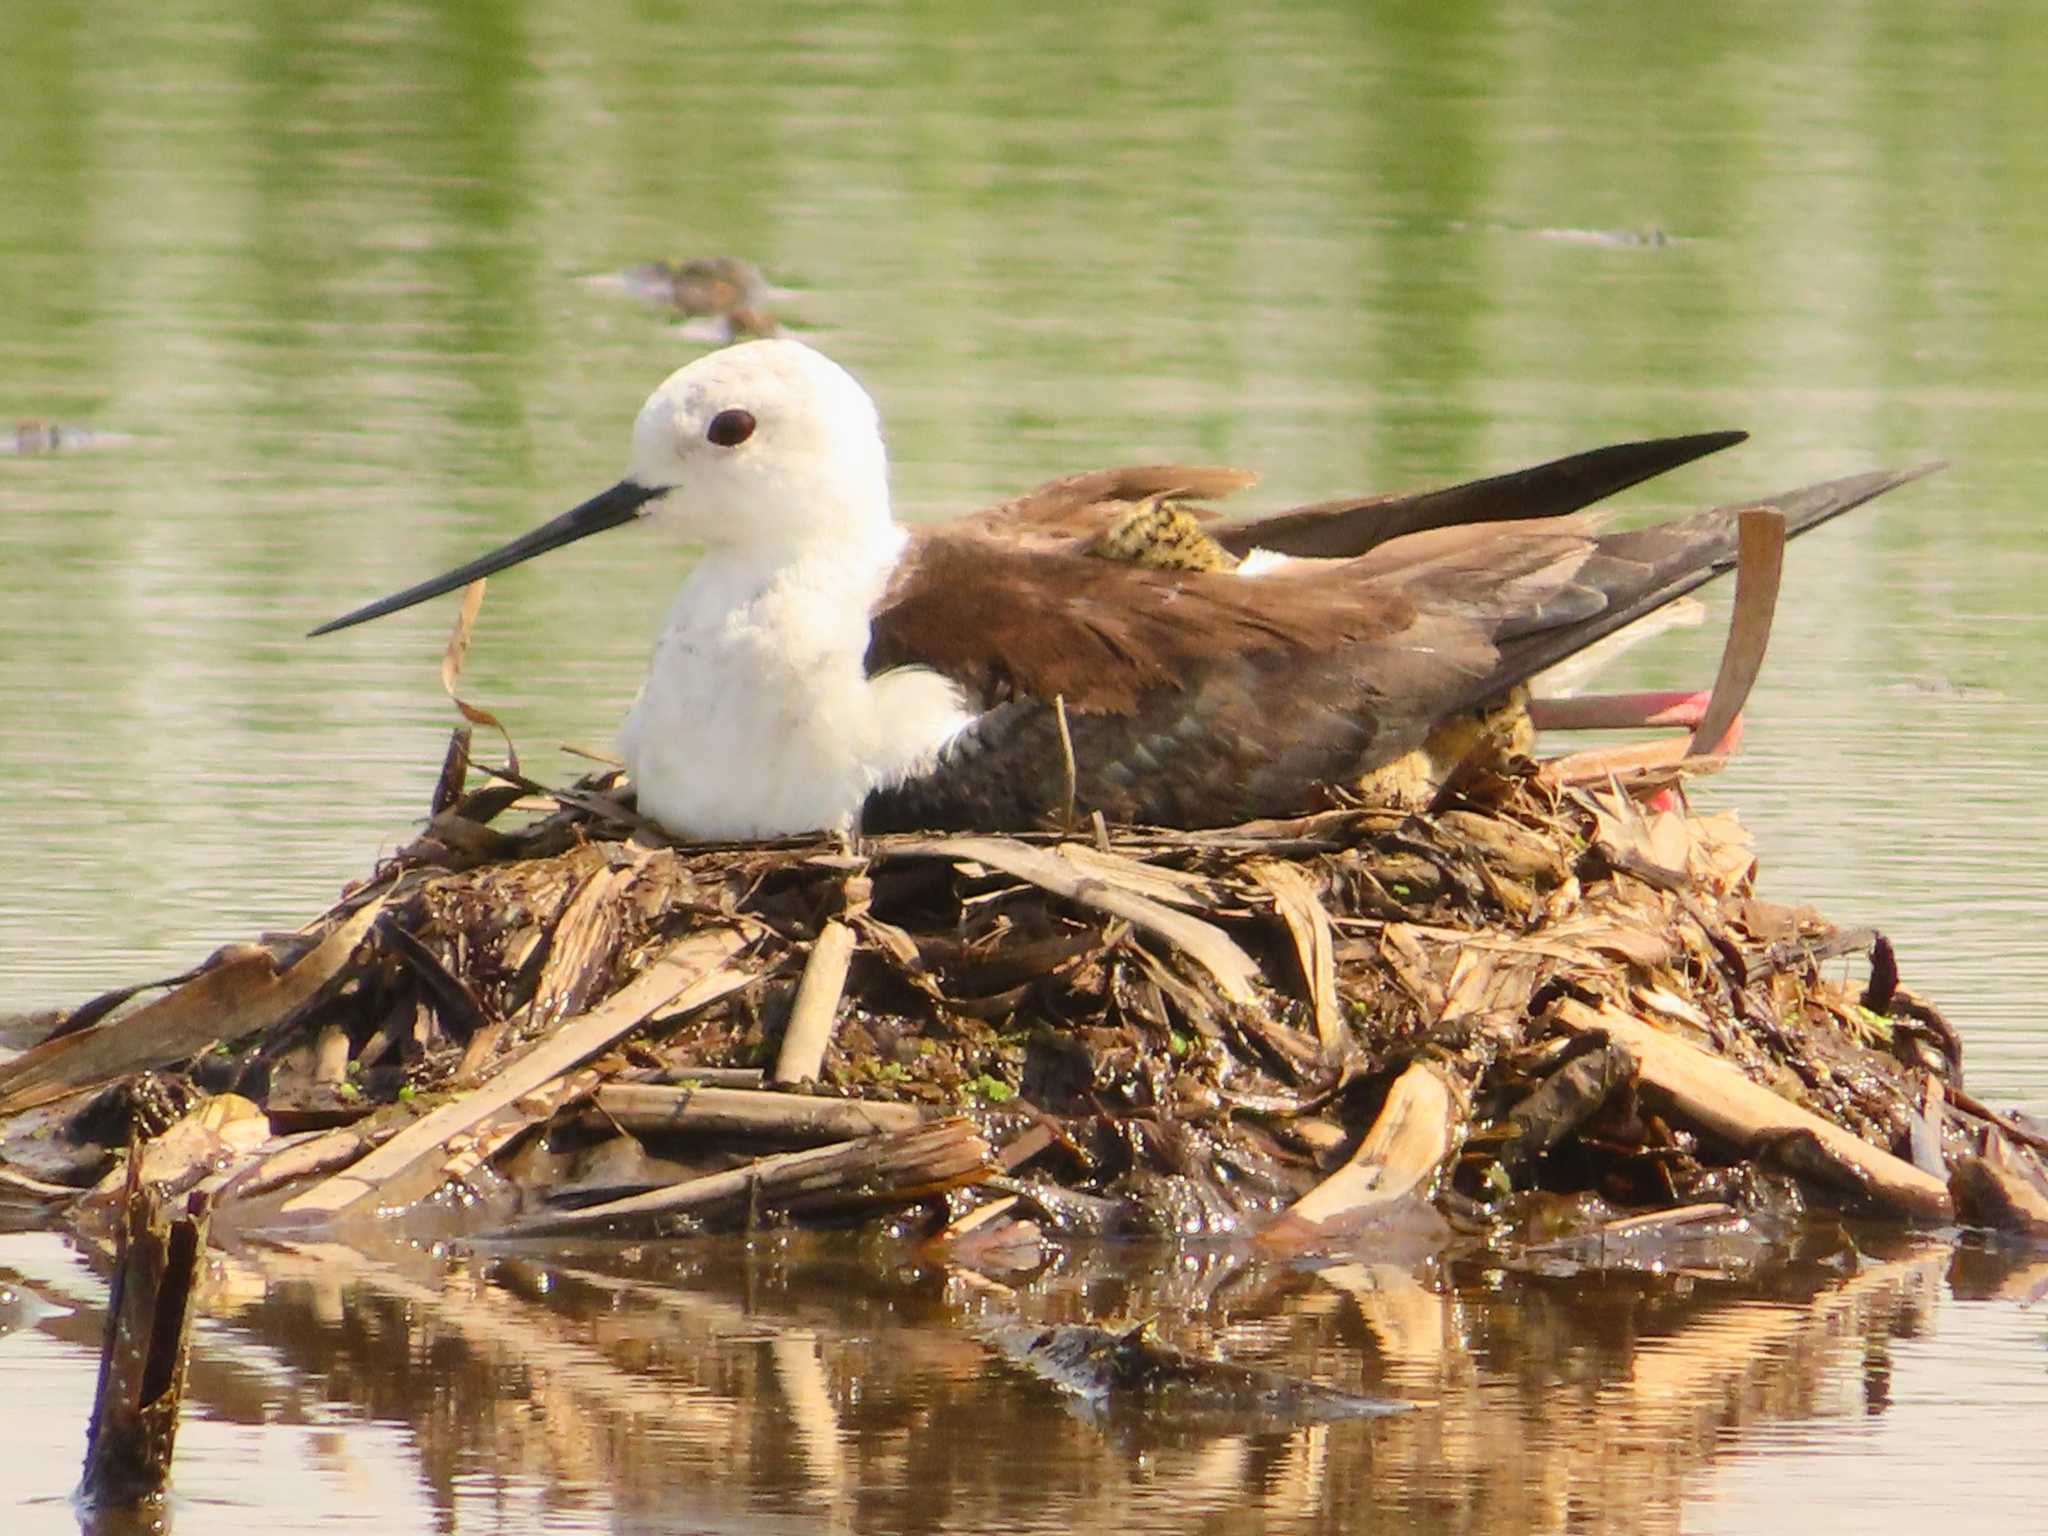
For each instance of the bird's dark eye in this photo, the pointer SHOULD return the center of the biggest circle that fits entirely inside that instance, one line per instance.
(729, 429)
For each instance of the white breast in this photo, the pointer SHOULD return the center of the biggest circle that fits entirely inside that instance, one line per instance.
(757, 719)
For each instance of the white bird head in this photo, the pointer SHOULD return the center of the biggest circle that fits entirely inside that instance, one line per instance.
(767, 443)
(769, 446)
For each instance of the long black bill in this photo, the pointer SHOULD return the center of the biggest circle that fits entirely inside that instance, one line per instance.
(607, 509)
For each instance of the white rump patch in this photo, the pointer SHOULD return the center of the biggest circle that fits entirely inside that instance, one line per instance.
(1262, 562)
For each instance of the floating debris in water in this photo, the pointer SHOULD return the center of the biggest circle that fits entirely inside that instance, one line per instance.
(1114, 1372)
(1650, 238)
(722, 330)
(721, 299)
(1919, 686)
(39, 437)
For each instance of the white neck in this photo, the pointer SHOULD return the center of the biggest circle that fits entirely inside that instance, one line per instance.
(843, 571)
(757, 717)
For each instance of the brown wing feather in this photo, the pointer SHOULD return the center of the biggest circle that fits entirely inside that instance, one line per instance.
(1068, 512)
(1270, 691)
(1004, 621)
(1193, 698)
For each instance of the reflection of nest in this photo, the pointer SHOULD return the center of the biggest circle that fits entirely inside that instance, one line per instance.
(1539, 990)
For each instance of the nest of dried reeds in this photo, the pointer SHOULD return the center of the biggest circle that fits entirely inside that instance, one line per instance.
(1296, 1030)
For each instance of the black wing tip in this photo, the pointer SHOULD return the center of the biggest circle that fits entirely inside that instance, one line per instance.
(1804, 510)
(1892, 479)
(1812, 505)
(1696, 445)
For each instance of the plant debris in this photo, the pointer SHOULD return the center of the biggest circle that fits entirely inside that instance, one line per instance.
(719, 299)
(1111, 1372)
(1530, 1001)
(144, 1350)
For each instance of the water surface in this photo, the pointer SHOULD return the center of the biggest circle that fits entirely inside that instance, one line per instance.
(319, 274)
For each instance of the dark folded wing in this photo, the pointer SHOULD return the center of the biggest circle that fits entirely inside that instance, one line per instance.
(1190, 698)
(1337, 529)
(1201, 699)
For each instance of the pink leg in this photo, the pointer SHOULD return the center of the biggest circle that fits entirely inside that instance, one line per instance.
(1631, 711)
(1618, 711)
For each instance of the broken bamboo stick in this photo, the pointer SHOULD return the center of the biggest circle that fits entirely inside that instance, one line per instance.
(809, 1031)
(1719, 1099)
(886, 1168)
(144, 1349)
(1308, 924)
(749, 1113)
(1417, 1130)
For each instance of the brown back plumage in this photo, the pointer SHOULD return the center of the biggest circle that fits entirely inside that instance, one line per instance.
(1199, 698)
